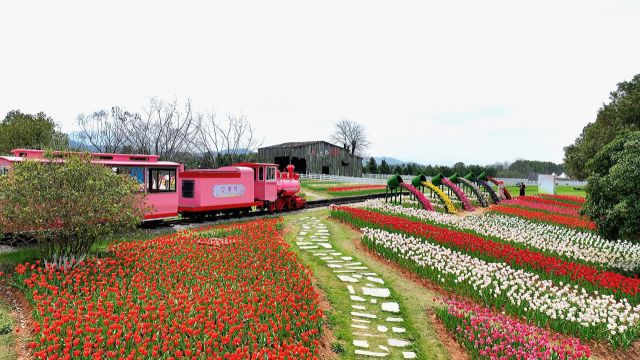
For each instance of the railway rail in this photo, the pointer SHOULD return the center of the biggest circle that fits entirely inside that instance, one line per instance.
(257, 214)
(16, 240)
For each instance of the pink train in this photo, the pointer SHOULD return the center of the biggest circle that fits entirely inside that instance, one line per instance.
(170, 190)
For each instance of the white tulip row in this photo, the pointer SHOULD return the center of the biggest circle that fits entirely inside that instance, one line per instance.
(416, 204)
(519, 288)
(574, 244)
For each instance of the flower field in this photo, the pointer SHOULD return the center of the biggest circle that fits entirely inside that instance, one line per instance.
(492, 250)
(553, 209)
(492, 336)
(565, 198)
(542, 276)
(335, 189)
(570, 244)
(553, 218)
(182, 295)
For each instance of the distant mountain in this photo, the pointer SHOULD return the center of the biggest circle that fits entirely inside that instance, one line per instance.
(76, 144)
(388, 159)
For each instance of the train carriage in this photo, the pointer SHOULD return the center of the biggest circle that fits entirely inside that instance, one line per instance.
(171, 191)
(159, 179)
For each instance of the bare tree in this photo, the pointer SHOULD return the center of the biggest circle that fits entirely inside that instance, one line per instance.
(171, 130)
(102, 129)
(352, 136)
(163, 129)
(226, 140)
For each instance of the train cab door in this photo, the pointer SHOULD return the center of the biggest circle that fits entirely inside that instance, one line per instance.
(271, 184)
(266, 188)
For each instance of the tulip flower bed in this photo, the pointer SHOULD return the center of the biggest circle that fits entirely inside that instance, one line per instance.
(179, 296)
(548, 266)
(537, 206)
(343, 189)
(581, 246)
(563, 307)
(566, 198)
(490, 336)
(544, 200)
(356, 188)
(570, 221)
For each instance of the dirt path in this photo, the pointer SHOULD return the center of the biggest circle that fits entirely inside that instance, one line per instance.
(21, 316)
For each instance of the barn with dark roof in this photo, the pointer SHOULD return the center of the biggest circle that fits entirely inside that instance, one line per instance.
(313, 157)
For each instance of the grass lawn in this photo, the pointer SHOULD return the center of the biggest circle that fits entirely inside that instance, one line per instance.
(7, 334)
(412, 297)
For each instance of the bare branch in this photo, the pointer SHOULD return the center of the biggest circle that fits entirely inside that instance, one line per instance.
(352, 136)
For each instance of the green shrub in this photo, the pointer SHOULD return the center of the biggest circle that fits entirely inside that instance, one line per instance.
(67, 205)
(613, 188)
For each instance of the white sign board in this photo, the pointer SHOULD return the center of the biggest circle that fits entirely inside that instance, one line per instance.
(547, 184)
(227, 190)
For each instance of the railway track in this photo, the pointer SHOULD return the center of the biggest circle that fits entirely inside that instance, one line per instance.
(8, 239)
(185, 223)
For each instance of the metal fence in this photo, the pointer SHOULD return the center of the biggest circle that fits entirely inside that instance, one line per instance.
(349, 179)
(382, 179)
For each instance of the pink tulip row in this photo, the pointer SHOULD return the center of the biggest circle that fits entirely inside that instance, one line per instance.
(541, 206)
(487, 335)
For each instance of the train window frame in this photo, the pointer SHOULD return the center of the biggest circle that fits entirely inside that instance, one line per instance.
(153, 177)
(261, 173)
(126, 170)
(271, 174)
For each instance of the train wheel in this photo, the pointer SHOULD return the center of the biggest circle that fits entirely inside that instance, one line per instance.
(279, 204)
(271, 208)
(291, 203)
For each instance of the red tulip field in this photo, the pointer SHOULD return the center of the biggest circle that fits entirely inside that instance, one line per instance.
(179, 296)
(527, 278)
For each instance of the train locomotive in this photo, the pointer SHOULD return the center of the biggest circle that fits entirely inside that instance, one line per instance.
(171, 190)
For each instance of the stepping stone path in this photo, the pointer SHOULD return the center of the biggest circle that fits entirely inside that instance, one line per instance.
(376, 321)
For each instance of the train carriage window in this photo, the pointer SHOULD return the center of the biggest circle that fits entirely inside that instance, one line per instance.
(260, 173)
(162, 180)
(271, 173)
(135, 172)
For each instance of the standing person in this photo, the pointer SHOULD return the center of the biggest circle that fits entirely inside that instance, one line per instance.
(522, 187)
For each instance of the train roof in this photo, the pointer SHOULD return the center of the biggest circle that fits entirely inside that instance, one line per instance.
(98, 158)
(223, 172)
(102, 162)
(248, 164)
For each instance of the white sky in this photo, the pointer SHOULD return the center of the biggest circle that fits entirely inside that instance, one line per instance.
(433, 82)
